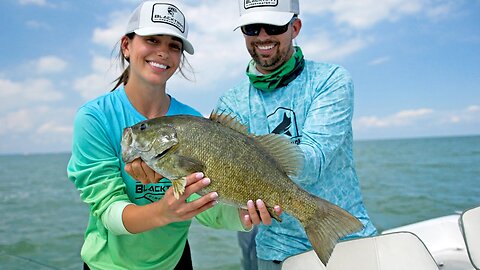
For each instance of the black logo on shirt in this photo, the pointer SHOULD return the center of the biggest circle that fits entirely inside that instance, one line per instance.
(288, 125)
(152, 192)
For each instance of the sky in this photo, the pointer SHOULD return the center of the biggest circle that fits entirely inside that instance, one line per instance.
(415, 63)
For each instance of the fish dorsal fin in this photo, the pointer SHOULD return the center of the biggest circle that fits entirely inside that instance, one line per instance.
(229, 121)
(288, 155)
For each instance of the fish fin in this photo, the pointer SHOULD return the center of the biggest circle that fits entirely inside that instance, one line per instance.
(184, 166)
(179, 186)
(288, 155)
(328, 225)
(274, 215)
(189, 165)
(229, 121)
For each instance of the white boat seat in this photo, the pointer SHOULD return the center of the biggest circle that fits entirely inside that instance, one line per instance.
(303, 261)
(470, 223)
(443, 239)
(393, 251)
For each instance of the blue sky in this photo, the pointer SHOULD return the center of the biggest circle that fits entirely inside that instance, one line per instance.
(415, 63)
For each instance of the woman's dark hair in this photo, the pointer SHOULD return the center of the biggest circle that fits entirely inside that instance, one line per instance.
(123, 78)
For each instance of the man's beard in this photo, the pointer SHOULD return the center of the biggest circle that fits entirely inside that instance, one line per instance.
(274, 61)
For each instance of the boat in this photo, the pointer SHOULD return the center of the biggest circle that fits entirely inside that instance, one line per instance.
(443, 238)
(445, 243)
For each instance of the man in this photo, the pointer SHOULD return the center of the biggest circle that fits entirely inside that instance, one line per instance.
(310, 102)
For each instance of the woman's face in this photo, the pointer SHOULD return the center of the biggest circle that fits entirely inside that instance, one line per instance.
(153, 59)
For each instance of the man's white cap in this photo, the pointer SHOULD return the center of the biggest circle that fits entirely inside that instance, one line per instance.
(160, 18)
(274, 12)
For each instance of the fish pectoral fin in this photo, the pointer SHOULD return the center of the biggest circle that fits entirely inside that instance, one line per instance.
(190, 165)
(274, 215)
(179, 186)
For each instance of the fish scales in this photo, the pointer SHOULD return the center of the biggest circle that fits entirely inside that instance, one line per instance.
(241, 166)
(244, 172)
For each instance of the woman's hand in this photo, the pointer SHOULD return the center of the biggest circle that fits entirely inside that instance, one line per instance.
(140, 171)
(139, 219)
(252, 217)
(175, 210)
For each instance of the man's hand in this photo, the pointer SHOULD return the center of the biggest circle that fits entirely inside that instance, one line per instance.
(251, 217)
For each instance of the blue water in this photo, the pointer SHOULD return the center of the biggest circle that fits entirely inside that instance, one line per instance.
(403, 181)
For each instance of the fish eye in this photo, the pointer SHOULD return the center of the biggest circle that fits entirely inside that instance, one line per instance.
(143, 126)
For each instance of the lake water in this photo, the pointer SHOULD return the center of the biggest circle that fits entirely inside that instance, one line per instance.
(403, 181)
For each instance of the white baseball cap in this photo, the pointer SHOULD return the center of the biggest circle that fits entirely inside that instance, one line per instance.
(274, 12)
(160, 18)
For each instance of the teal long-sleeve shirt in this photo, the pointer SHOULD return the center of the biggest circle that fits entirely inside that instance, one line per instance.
(315, 110)
(97, 170)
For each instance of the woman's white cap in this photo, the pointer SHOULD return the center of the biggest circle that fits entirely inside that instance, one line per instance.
(160, 18)
(274, 12)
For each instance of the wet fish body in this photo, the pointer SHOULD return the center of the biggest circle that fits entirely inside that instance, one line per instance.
(241, 166)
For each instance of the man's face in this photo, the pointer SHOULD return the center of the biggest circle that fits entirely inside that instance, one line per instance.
(270, 51)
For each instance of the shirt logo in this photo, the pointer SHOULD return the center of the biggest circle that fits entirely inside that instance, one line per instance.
(169, 14)
(260, 3)
(152, 192)
(288, 125)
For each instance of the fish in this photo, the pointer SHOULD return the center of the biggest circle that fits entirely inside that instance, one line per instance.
(241, 166)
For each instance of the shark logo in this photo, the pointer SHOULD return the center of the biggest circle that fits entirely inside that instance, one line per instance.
(284, 126)
(288, 125)
(172, 11)
(168, 14)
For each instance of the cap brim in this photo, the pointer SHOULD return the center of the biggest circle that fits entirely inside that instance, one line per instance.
(265, 17)
(151, 31)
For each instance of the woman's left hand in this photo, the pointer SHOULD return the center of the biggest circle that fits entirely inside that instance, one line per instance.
(140, 171)
(251, 217)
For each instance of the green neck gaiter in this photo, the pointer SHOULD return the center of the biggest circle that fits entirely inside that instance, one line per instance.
(280, 77)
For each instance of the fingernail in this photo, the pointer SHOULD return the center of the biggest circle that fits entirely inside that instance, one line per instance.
(214, 202)
(250, 203)
(276, 208)
(214, 195)
(199, 175)
(259, 203)
(206, 181)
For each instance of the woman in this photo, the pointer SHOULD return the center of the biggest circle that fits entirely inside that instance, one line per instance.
(140, 225)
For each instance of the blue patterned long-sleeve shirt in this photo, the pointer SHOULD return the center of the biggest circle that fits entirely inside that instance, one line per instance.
(315, 110)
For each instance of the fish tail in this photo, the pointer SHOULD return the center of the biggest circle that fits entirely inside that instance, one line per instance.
(327, 225)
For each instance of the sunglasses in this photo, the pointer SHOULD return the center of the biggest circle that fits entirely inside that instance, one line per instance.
(271, 30)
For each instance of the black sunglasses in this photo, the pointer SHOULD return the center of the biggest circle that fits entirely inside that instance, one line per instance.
(271, 30)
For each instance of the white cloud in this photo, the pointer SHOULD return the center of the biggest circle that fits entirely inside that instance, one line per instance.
(379, 61)
(441, 11)
(38, 25)
(323, 46)
(37, 120)
(402, 118)
(419, 118)
(49, 64)
(473, 108)
(36, 129)
(362, 14)
(104, 72)
(16, 95)
(470, 114)
(110, 35)
(33, 2)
